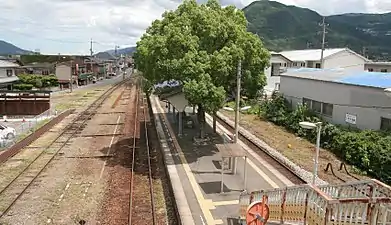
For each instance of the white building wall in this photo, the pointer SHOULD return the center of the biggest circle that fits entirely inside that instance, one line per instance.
(345, 59)
(63, 72)
(273, 80)
(3, 72)
(366, 103)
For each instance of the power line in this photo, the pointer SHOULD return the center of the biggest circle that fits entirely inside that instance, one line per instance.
(33, 36)
(27, 22)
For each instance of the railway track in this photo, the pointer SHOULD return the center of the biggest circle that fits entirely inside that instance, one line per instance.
(13, 191)
(142, 200)
(288, 172)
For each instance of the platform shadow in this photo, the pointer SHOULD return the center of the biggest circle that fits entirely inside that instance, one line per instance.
(192, 148)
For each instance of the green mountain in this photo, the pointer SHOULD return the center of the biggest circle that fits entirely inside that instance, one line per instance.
(283, 27)
(10, 49)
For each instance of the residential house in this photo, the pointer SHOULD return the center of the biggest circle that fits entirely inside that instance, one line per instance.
(341, 96)
(96, 66)
(384, 67)
(16, 60)
(311, 58)
(40, 68)
(108, 61)
(7, 74)
(66, 71)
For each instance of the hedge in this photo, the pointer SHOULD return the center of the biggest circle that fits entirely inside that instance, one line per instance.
(38, 81)
(23, 87)
(367, 150)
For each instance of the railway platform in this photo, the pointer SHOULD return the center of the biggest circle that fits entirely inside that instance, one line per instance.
(194, 168)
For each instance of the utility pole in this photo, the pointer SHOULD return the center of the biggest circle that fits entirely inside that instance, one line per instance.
(364, 51)
(116, 58)
(91, 53)
(115, 50)
(237, 110)
(71, 78)
(323, 24)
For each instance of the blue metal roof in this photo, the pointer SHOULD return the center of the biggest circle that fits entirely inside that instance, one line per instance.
(340, 75)
(371, 79)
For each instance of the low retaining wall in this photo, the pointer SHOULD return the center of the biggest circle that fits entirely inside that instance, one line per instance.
(16, 148)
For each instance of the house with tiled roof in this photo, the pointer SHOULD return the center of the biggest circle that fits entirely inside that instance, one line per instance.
(8, 74)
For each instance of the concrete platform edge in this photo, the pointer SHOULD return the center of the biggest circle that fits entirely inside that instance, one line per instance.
(183, 209)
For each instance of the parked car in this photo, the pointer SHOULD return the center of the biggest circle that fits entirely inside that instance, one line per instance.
(7, 132)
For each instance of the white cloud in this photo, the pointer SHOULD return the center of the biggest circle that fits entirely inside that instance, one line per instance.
(68, 25)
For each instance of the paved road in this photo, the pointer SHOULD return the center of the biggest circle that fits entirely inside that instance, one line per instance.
(98, 83)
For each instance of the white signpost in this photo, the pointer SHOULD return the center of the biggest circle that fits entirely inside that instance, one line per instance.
(350, 118)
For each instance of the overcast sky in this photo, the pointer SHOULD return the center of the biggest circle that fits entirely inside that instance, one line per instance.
(66, 26)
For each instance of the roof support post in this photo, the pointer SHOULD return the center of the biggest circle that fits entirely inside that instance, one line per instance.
(180, 124)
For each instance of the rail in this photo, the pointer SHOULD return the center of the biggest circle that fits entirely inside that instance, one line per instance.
(140, 166)
(151, 190)
(134, 148)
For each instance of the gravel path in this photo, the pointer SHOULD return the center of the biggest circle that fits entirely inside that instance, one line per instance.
(66, 192)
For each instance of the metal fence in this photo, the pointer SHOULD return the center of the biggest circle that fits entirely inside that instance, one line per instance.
(22, 127)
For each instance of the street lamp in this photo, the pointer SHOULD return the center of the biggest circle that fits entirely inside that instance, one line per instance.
(241, 109)
(318, 127)
(387, 91)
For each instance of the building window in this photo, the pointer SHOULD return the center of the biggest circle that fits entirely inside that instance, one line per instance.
(323, 108)
(385, 124)
(383, 70)
(302, 64)
(370, 69)
(327, 109)
(294, 64)
(272, 70)
(307, 102)
(9, 73)
(316, 106)
(317, 65)
(284, 64)
(277, 87)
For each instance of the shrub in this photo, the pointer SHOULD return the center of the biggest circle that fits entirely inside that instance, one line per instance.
(23, 87)
(367, 150)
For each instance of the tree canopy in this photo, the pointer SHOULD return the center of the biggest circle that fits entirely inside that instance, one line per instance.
(200, 45)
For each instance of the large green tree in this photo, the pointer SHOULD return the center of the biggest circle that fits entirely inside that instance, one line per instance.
(200, 45)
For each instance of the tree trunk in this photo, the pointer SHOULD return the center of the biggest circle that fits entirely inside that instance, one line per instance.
(214, 122)
(201, 120)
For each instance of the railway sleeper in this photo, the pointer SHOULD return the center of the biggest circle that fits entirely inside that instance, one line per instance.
(90, 157)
